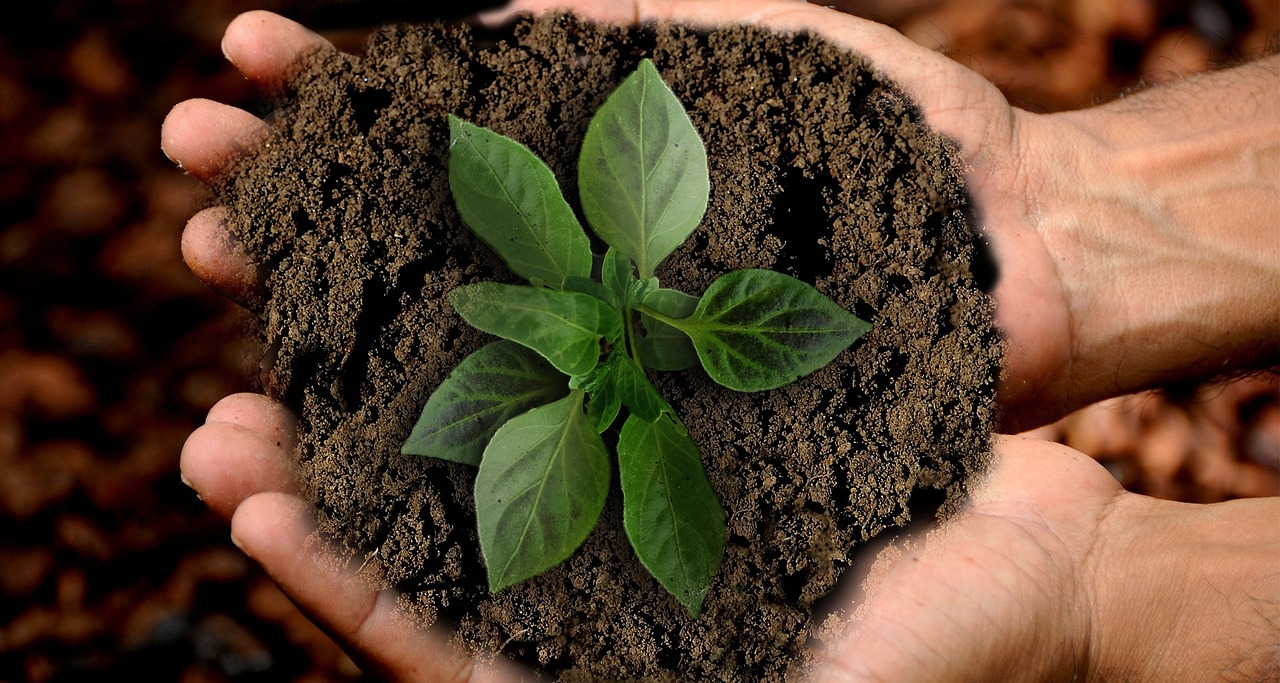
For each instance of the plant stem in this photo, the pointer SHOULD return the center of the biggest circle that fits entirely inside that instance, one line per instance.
(630, 334)
(660, 317)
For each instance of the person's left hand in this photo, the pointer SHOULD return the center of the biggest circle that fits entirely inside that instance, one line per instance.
(1051, 572)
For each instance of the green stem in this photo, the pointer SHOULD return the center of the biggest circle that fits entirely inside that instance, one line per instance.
(629, 334)
(660, 317)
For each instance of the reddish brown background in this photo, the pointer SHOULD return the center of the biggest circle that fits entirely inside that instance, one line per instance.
(111, 352)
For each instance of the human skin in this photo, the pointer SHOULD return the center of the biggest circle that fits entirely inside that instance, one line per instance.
(1135, 247)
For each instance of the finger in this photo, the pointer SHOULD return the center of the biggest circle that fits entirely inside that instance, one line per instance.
(267, 47)
(215, 256)
(609, 12)
(260, 414)
(243, 448)
(276, 530)
(955, 100)
(205, 138)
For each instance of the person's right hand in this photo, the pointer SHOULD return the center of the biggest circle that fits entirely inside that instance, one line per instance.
(1034, 307)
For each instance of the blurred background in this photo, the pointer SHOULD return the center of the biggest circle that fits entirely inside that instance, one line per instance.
(111, 352)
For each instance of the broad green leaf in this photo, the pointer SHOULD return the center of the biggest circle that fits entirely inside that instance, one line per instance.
(642, 173)
(510, 199)
(495, 383)
(564, 327)
(664, 347)
(669, 509)
(539, 491)
(758, 329)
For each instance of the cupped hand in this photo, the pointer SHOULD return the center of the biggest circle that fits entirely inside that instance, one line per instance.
(1003, 592)
(1052, 572)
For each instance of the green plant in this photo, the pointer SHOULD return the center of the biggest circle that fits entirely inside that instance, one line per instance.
(530, 409)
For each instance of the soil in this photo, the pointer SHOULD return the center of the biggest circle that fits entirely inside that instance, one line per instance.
(820, 168)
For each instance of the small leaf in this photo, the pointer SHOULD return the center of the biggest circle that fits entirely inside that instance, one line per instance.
(635, 390)
(642, 173)
(664, 347)
(617, 276)
(603, 403)
(564, 327)
(603, 409)
(758, 329)
(640, 290)
(510, 199)
(495, 383)
(586, 285)
(540, 489)
(669, 509)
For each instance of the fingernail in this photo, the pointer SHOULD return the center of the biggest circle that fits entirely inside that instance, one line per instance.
(236, 542)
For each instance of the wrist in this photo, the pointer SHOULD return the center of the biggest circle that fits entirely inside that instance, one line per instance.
(1159, 214)
(1186, 592)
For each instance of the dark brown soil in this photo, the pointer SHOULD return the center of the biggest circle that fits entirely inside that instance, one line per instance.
(819, 168)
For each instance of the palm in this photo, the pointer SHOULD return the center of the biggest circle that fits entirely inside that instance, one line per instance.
(1014, 567)
(1019, 540)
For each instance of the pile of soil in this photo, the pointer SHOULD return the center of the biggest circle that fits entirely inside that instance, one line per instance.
(820, 168)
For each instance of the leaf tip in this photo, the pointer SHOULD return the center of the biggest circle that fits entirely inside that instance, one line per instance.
(458, 129)
(692, 601)
(497, 584)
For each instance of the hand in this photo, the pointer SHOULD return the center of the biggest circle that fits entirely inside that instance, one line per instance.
(1032, 309)
(1052, 571)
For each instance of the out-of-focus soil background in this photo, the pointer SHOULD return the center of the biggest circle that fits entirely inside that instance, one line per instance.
(111, 352)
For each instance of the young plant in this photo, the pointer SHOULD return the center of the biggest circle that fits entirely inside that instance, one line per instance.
(530, 409)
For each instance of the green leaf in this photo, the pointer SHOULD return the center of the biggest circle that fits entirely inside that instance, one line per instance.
(635, 390)
(664, 347)
(642, 173)
(603, 409)
(640, 289)
(540, 489)
(510, 199)
(495, 383)
(564, 327)
(669, 509)
(758, 329)
(617, 276)
(586, 285)
(603, 403)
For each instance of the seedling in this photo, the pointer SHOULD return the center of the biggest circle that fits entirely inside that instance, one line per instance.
(530, 409)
